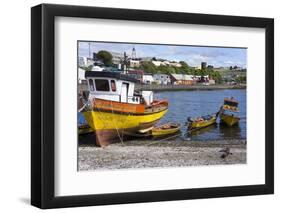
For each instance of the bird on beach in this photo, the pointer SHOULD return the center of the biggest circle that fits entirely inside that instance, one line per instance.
(226, 152)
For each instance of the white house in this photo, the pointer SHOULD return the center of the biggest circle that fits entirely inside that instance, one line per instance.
(162, 79)
(134, 63)
(157, 63)
(166, 63)
(147, 79)
(200, 78)
(175, 64)
(88, 61)
(81, 75)
(82, 61)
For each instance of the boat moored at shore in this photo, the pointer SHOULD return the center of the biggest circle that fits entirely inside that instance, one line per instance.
(229, 112)
(201, 122)
(116, 110)
(165, 129)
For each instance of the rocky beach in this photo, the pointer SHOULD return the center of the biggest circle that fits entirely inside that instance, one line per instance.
(161, 153)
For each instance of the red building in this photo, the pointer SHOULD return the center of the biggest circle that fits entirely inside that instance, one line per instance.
(136, 74)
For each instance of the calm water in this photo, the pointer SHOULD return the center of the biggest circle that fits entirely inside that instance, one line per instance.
(183, 104)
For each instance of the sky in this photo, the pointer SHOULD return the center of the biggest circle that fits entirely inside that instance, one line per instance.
(192, 55)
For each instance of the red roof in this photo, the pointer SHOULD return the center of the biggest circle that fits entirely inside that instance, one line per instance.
(139, 72)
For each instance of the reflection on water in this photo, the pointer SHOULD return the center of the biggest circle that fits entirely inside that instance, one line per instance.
(183, 104)
(230, 132)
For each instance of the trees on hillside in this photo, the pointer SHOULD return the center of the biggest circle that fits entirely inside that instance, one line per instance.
(149, 67)
(105, 57)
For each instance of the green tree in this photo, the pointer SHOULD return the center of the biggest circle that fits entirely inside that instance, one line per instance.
(184, 65)
(216, 76)
(105, 57)
(88, 68)
(241, 79)
(148, 67)
(170, 70)
(186, 69)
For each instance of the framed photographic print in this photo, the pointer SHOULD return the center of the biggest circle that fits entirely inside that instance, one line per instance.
(139, 106)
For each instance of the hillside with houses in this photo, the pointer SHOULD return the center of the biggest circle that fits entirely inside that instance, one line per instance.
(159, 71)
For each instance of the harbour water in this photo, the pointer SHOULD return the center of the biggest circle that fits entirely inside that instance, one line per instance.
(183, 104)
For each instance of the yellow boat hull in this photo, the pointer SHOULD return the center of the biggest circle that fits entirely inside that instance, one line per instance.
(202, 124)
(229, 120)
(110, 126)
(107, 120)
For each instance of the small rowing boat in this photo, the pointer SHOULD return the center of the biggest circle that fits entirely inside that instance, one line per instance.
(166, 129)
(201, 122)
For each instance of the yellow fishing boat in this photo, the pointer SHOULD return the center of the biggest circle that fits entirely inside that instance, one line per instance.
(166, 129)
(228, 112)
(201, 122)
(115, 109)
(229, 120)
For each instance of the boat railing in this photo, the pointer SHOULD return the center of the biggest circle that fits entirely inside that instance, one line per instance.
(157, 102)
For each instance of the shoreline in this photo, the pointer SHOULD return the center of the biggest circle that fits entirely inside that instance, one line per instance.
(156, 154)
(155, 87)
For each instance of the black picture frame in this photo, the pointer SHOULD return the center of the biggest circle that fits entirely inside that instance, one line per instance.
(43, 105)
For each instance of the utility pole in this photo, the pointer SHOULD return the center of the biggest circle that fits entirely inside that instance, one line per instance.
(125, 61)
(89, 49)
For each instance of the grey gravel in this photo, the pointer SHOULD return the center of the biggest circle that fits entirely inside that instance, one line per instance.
(147, 154)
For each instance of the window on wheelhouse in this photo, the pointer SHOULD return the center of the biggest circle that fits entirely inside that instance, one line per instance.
(102, 85)
(113, 86)
(91, 84)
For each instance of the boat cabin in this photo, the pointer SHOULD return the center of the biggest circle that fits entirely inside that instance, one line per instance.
(113, 86)
(231, 102)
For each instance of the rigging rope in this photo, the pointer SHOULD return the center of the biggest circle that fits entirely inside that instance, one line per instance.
(121, 139)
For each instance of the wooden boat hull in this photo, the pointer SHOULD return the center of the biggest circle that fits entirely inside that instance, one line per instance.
(201, 124)
(110, 127)
(229, 120)
(161, 132)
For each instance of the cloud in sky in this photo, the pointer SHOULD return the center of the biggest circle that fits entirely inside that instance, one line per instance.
(193, 55)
